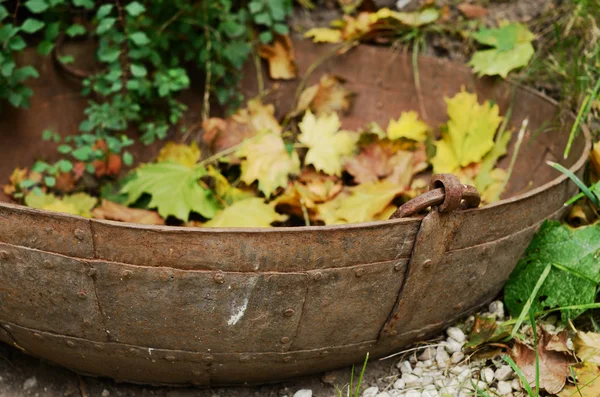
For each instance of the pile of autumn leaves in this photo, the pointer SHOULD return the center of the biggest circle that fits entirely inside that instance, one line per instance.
(309, 171)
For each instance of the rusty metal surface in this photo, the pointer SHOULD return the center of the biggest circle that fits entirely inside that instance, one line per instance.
(203, 306)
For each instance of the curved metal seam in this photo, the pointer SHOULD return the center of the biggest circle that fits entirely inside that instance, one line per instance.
(12, 338)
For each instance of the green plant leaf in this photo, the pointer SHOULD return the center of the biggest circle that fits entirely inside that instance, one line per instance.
(104, 11)
(87, 4)
(174, 189)
(135, 8)
(75, 30)
(574, 275)
(105, 24)
(512, 50)
(139, 38)
(32, 25)
(36, 6)
(138, 70)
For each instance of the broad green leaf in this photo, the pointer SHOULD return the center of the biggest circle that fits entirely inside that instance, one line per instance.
(135, 8)
(512, 50)
(251, 212)
(327, 146)
(75, 204)
(174, 189)
(470, 133)
(32, 25)
(574, 276)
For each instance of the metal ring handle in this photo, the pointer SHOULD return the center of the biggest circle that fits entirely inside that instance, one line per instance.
(447, 193)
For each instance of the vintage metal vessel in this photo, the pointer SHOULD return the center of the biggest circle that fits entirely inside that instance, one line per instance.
(168, 305)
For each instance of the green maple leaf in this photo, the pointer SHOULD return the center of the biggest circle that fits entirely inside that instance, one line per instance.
(512, 49)
(174, 189)
(574, 274)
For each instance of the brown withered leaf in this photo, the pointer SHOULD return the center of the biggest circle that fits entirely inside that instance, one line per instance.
(110, 166)
(595, 158)
(281, 58)
(65, 182)
(384, 159)
(472, 11)
(486, 330)
(554, 361)
(221, 134)
(116, 212)
(329, 95)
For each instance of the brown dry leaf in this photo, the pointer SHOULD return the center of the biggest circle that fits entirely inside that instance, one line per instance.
(587, 347)
(328, 96)
(110, 166)
(116, 212)
(472, 11)
(355, 27)
(280, 56)
(65, 182)
(384, 159)
(587, 382)
(221, 134)
(18, 175)
(554, 362)
(595, 158)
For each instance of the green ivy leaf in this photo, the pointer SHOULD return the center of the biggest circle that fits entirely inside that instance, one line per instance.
(66, 59)
(265, 37)
(134, 8)
(127, 158)
(36, 6)
(75, 30)
(64, 149)
(49, 181)
(16, 43)
(139, 38)
(105, 24)
(174, 189)
(87, 4)
(45, 47)
(281, 28)
(263, 18)
(64, 165)
(104, 11)
(138, 70)
(3, 12)
(574, 275)
(32, 25)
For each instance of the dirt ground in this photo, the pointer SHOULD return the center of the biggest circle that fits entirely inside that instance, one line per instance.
(18, 370)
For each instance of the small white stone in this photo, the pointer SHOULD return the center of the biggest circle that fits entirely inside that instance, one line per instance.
(441, 357)
(464, 375)
(413, 393)
(413, 359)
(399, 384)
(426, 393)
(427, 363)
(569, 343)
(448, 391)
(464, 393)
(503, 373)
(504, 388)
(515, 384)
(497, 309)
(457, 369)
(549, 328)
(303, 393)
(428, 354)
(457, 357)
(439, 382)
(481, 385)
(418, 371)
(453, 346)
(371, 391)
(451, 382)
(404, 367)
(411, 380)
(395, 393)
(383, 394)
(30, 383)
(426, 380)
(487, 375)
(400, 4)
(105, 393)
(456, 334)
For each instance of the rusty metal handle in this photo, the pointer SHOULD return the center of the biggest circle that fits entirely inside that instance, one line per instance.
(446, 193)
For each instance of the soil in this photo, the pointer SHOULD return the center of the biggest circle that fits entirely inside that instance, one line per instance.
(51, 381)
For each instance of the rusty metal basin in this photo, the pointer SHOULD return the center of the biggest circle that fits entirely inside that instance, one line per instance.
(167, 305)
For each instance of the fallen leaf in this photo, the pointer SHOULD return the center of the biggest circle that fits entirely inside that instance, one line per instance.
(174, 189)
(65, 182)
(117, 212)
(587, 383)
(587, 347)
(225, 191)
(328, 96)
(327, 146)
(492, 191)
(109, 166)
(472, 11)
(324, 35)
(266, 160)
(512, 49)
(595, 158)
(553, 365)
(187, 155)
(470, 133)
(484, 176)
(412, 19)
(486, 330)
(361, 203)
(75, 204)
(355, 27)
(257, 117)
(280, 56)
(16, 177)
(408, 126)
(252, 212)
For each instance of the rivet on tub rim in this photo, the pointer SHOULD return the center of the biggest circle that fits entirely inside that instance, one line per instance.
(70, 343)
(359, 272)
(289, 312)
(398, 266)
(4, 255)
(427, 263)
(79, 234)
(285, 340)
(219, 277)
(318, 276)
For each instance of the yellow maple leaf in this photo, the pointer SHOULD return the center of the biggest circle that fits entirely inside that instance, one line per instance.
(470, 133)
(267, 161)
(408, 126)
(587, 347)
(180, 153)
(280, 55)
(75, 204)
(588, 382)
(414, 19)
(361, 203)
(324, 35)
(252, 212)
(224, 190)
(327, 146)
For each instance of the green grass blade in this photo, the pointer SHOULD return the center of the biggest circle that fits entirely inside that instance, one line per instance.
(584, 110)
(520, 374)
(537, 353)
(529, 302)
(577, 181)
(362, 374)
